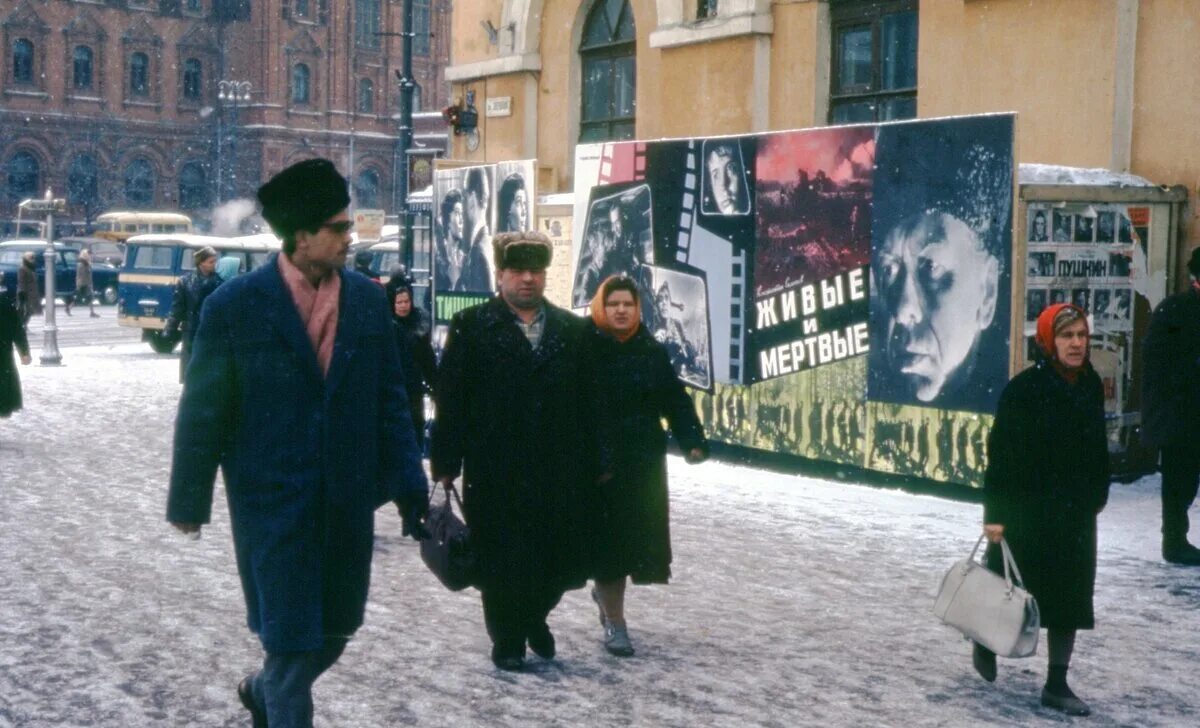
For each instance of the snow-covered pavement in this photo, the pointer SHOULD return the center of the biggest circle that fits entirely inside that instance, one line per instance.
(795, 602)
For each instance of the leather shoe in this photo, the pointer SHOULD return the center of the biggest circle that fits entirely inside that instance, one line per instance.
(258, 716)
(616, 641)
(1066, 702)
(984, 661)
(541, 641)
(509, 659)
(1181, 553)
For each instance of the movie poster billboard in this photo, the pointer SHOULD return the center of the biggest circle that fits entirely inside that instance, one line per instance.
(851, 285)
(470, 204)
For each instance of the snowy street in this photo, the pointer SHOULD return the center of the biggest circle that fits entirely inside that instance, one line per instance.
(794, 602)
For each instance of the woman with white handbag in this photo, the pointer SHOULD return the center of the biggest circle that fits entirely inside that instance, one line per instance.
(1047, 479)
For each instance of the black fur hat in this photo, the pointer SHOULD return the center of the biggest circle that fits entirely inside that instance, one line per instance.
(525, 250)
(303, 196)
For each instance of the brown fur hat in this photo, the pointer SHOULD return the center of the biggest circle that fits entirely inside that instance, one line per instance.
(525, 250)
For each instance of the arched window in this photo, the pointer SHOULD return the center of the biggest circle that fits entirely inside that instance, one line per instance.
(300, 84)
(191, 79)
(366, 190)
(366, 23)
(82, 185)
(301, 8)
(608, 55)
(139, 74)
(366, 96)
(420, 41)
(139, 184)
(193, 187)
(23, 176)
(22, 64)
(81, 77)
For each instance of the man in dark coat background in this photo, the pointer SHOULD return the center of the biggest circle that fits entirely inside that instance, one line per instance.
(510, 420)
(296, 392)
(186, 300)
(1171, 409)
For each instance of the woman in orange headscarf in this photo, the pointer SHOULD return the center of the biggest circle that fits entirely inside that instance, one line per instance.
(634, 387)
(1047, 480)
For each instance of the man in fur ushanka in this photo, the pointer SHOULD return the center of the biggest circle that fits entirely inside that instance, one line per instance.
(296, 392)
(511, 412)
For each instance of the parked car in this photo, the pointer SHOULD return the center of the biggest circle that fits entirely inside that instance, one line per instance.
(104, 276)
(103, 251)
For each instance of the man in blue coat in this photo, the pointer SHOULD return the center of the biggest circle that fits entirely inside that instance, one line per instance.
(295, 390)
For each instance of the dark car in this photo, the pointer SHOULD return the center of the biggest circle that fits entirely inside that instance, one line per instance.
(104, 277)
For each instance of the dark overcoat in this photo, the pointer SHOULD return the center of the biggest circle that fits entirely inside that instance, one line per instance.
(187, 299)
(1047, 479)
(634, 387)
(306, 458)
(512, 421)
(12, 333)
(1171, 378)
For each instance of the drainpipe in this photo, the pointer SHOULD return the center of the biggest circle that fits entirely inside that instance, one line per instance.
(1123, 85)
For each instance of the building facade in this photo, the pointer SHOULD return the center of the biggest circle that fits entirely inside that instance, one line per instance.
(186, 104)
(1111, 84)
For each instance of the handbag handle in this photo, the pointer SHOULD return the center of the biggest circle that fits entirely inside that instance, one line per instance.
(1010, 564)
(450, 490)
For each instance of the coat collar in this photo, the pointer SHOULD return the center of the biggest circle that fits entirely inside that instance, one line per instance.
(496, 315)
(283, 317)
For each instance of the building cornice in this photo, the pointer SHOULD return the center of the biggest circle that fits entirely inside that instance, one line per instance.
(720, 28)
(503, 65)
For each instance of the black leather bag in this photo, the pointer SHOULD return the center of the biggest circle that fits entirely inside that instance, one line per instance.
(447, 552)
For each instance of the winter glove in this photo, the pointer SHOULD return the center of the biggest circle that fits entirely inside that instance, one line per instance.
(413, 508)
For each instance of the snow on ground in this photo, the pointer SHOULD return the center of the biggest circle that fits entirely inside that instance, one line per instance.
(795, 602)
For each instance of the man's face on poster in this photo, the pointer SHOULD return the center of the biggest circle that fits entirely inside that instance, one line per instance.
(940, 288)
(614, 222)
(476, 207)
(1039, 226)
(725, 179)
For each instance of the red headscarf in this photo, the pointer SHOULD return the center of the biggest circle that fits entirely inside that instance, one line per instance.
(600, 318)
(1045, 332)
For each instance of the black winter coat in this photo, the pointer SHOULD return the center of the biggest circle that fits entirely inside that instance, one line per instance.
(1171, 382)
(512, 421)
(1047, 478)
(414, 338)
(12, 333)
(186, 301)
(634, 387)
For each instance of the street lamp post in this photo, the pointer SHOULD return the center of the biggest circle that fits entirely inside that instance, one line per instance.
(233, 93)
(48, 206)
(404, 77)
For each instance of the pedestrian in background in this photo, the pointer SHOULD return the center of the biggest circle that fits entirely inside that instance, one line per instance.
(1046, 481)
(189, 295)
(296, 393)
(414, 338)
(512, 421)
(29, 297)
(362, 264)
(12, 334)
(84, 290)
(1171, 409)
(634, 388)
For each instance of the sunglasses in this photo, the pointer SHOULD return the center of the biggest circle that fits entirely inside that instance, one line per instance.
(341, 227)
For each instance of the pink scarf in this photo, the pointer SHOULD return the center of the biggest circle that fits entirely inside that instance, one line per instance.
(318, 308)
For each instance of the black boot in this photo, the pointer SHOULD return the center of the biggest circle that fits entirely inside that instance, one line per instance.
(984, 661)
(1179, 551)
(1058, 695)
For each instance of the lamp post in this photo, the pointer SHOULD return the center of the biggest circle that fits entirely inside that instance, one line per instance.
(48, 206)
(232, 93)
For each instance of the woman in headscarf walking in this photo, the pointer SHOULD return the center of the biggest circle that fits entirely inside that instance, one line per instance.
(635, 387)
(1046, 481)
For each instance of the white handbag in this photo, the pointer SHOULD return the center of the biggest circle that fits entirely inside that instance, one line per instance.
(995, 611)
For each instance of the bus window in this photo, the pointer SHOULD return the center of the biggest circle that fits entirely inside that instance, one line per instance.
(153, 257)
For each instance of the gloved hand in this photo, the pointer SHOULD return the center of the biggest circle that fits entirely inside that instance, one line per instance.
(413, 508)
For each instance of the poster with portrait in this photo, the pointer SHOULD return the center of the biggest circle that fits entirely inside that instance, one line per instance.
(516, 191)
(940, 281)
(678, 319)
(618, 239)
(463, 209)
(558, 275)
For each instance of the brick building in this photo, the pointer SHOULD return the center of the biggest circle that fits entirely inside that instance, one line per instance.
(184, 104)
